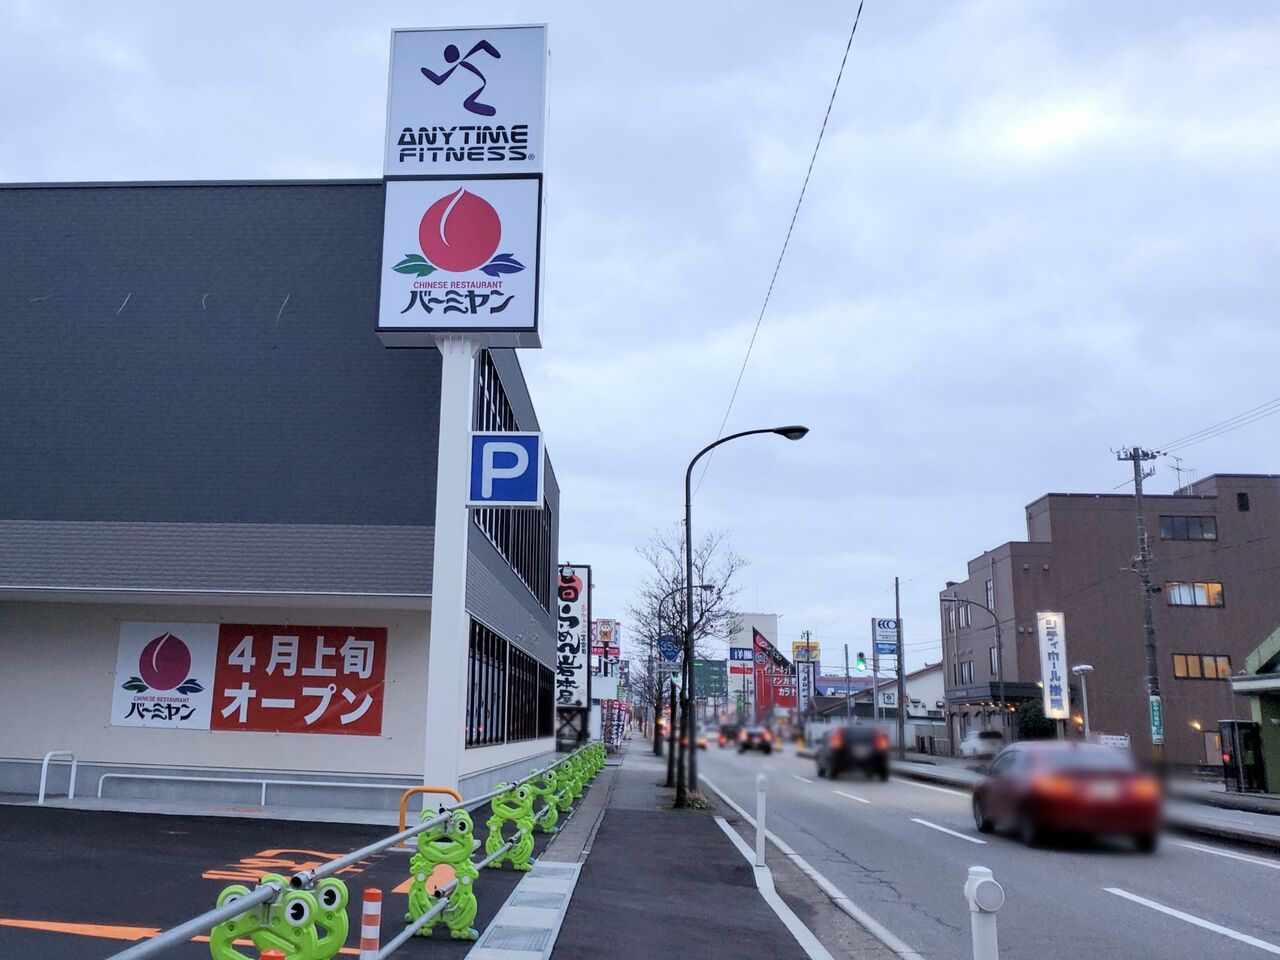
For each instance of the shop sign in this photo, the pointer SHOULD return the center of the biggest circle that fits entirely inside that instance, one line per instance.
(1053, 665)
(573, 619)
(469, 101)
(250, 677)
(460, 256)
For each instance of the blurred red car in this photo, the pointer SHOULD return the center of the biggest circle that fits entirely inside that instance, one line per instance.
(1037, 788)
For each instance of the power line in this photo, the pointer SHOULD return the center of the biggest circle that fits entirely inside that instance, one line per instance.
(1259, 412)
(786, 240)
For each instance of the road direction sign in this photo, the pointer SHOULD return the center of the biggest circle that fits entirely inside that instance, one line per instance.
(1157, 720)
(669, 647)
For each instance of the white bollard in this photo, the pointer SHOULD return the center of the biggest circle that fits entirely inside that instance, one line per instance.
(762, 782)
(985, 897)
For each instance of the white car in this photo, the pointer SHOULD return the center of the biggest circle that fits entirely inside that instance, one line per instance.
(981, 743)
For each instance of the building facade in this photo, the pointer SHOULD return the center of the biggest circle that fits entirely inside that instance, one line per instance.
(1215, 568)
(217, 499)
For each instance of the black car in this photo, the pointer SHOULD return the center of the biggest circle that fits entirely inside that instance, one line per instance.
(755, 738)
(854, 748)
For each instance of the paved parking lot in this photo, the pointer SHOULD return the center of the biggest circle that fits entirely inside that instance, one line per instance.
(83, 885)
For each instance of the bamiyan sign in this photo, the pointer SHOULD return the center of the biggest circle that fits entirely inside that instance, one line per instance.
(266, 678)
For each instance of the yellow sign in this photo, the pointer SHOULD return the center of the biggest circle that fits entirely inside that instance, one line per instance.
(806, 652)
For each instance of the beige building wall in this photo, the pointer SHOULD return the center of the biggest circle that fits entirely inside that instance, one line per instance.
(57, 673)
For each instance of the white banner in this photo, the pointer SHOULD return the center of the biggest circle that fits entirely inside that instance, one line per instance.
(466, 101)
(806, 677)
(164, 675)
(1053, 665)
(573, 640)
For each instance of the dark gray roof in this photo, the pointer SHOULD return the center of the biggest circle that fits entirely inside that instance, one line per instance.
(215, 557)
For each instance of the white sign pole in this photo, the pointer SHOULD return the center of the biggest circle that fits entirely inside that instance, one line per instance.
(450, 631)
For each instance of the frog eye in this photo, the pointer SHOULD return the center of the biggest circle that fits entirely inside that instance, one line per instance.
(331, 894)
(297, 912)
(232, 894)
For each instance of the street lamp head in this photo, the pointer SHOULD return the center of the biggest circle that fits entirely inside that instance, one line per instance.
(1082, 668)
(792, 432)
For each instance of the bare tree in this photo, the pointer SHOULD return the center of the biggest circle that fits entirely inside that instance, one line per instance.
(659, 604)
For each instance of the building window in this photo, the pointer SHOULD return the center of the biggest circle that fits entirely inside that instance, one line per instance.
(1188, 528)
(1242, 502)
(1201, 666)
(995, 667)
(510, 695)
(951, 618)
(522, 536)
(1194, 594)
(966, 672)
(991, 594)
(965, 615)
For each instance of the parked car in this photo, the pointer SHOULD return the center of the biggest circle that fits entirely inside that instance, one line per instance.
(854, 748)
(1038, 788)
(755, 738)
(728, 734)
(979, 744)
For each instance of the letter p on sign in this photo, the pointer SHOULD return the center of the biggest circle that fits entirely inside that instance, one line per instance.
(506, 470)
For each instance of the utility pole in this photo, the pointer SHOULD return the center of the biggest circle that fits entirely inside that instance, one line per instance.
(1155, 708)
(846, 681)
(902, 676)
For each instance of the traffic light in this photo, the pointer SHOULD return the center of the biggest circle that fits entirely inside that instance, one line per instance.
(861, 662)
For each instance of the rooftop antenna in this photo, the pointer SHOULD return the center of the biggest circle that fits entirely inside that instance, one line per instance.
(1178, 468)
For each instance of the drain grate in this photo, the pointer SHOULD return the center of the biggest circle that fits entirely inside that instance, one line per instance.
(547, 901)
(544, 869)
(517, 938)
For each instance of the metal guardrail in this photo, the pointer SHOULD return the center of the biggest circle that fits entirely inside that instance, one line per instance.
(44, 774)
(177, 778)
(268, 892)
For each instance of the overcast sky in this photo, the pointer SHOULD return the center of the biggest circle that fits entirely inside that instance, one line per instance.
(1035, 232)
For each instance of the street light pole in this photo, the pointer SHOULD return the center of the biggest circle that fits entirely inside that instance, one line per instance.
(1082, 670)
(1004, 705)
(791, 433)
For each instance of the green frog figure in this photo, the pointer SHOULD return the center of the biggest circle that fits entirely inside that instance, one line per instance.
(444, 857)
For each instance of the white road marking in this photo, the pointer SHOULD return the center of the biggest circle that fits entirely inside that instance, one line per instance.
(954, 833)
(930, 786)
(802, 779)
(1196, 921)
(838, 897)
(1260, 861)
(852, 797)
(764, 883)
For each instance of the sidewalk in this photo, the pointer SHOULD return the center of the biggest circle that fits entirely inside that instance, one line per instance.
(666, 882)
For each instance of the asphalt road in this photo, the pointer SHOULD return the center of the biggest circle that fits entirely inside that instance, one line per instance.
(84, 885)
(901, 850)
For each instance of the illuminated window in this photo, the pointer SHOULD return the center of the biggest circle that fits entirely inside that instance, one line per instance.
(1201, 666)
(1194, 594)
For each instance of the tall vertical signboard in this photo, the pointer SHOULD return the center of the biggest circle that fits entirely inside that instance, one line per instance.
(1053, 665)
(462, 231)
(573, 651)
(775, 679)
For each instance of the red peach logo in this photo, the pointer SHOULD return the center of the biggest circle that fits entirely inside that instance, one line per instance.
(459, 233)
(164, 664)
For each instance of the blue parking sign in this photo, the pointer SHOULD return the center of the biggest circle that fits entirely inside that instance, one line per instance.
(506, 470)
